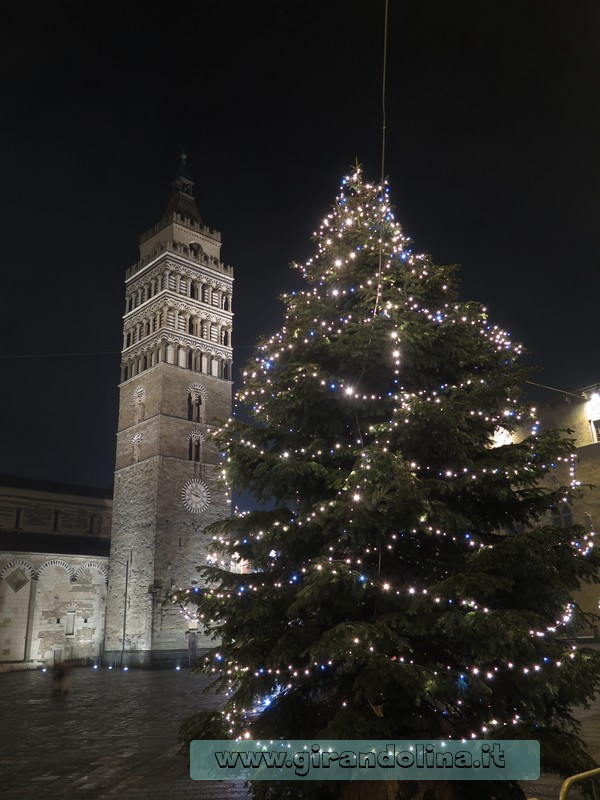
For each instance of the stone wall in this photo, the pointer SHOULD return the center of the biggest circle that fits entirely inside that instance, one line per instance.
(51, 608)
(53, 509)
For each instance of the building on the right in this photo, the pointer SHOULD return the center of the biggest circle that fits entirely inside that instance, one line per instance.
(578, 413)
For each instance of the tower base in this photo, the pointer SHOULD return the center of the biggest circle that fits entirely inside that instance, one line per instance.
(150, 659)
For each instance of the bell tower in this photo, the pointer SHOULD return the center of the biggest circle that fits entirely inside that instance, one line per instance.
(176, 384)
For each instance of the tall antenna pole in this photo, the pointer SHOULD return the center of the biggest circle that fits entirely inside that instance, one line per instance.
(383, 83)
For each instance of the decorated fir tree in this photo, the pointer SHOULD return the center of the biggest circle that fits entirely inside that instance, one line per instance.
(404, 580)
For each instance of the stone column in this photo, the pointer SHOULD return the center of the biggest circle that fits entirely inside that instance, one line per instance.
(30, 615)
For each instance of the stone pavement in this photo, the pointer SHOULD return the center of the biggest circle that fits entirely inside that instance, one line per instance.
(115, 735)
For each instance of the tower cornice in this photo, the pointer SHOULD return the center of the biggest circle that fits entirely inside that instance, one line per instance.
(194, 266)
(177, 301)
(203, 345)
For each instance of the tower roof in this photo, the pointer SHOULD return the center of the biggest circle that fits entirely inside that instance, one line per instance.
(182, 200)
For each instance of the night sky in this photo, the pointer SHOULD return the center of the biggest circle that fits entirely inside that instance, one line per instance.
(492, 155)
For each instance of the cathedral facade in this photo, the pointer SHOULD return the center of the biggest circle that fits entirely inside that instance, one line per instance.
(54, 547)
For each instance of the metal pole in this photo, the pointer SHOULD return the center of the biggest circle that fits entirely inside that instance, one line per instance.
(125, 610)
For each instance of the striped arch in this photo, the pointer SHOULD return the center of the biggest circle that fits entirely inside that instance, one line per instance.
(195, 389)
(91, 565)
(57, 562)
(17, 562)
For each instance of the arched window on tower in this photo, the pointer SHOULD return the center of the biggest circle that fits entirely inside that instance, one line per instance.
(195, 407)
(195, 446)
(139, 405)
(196, 401)
(136, 445)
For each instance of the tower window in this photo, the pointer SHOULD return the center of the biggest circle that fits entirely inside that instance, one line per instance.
(55, 521)
(195, 408)
(194, 447)
(136, 443)
(196, 400)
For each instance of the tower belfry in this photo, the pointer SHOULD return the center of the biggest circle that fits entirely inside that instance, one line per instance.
(176, 383)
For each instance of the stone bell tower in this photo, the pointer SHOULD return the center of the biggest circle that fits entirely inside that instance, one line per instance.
(176, 382)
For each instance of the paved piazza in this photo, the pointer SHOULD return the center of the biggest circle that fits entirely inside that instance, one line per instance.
(115, 735)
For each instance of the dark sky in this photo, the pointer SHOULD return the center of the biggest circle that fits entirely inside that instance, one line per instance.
(492, 154)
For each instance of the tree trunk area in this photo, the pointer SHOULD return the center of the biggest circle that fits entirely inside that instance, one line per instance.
(395, 790)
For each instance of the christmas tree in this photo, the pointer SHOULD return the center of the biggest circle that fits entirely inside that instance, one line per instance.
(404, 579)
